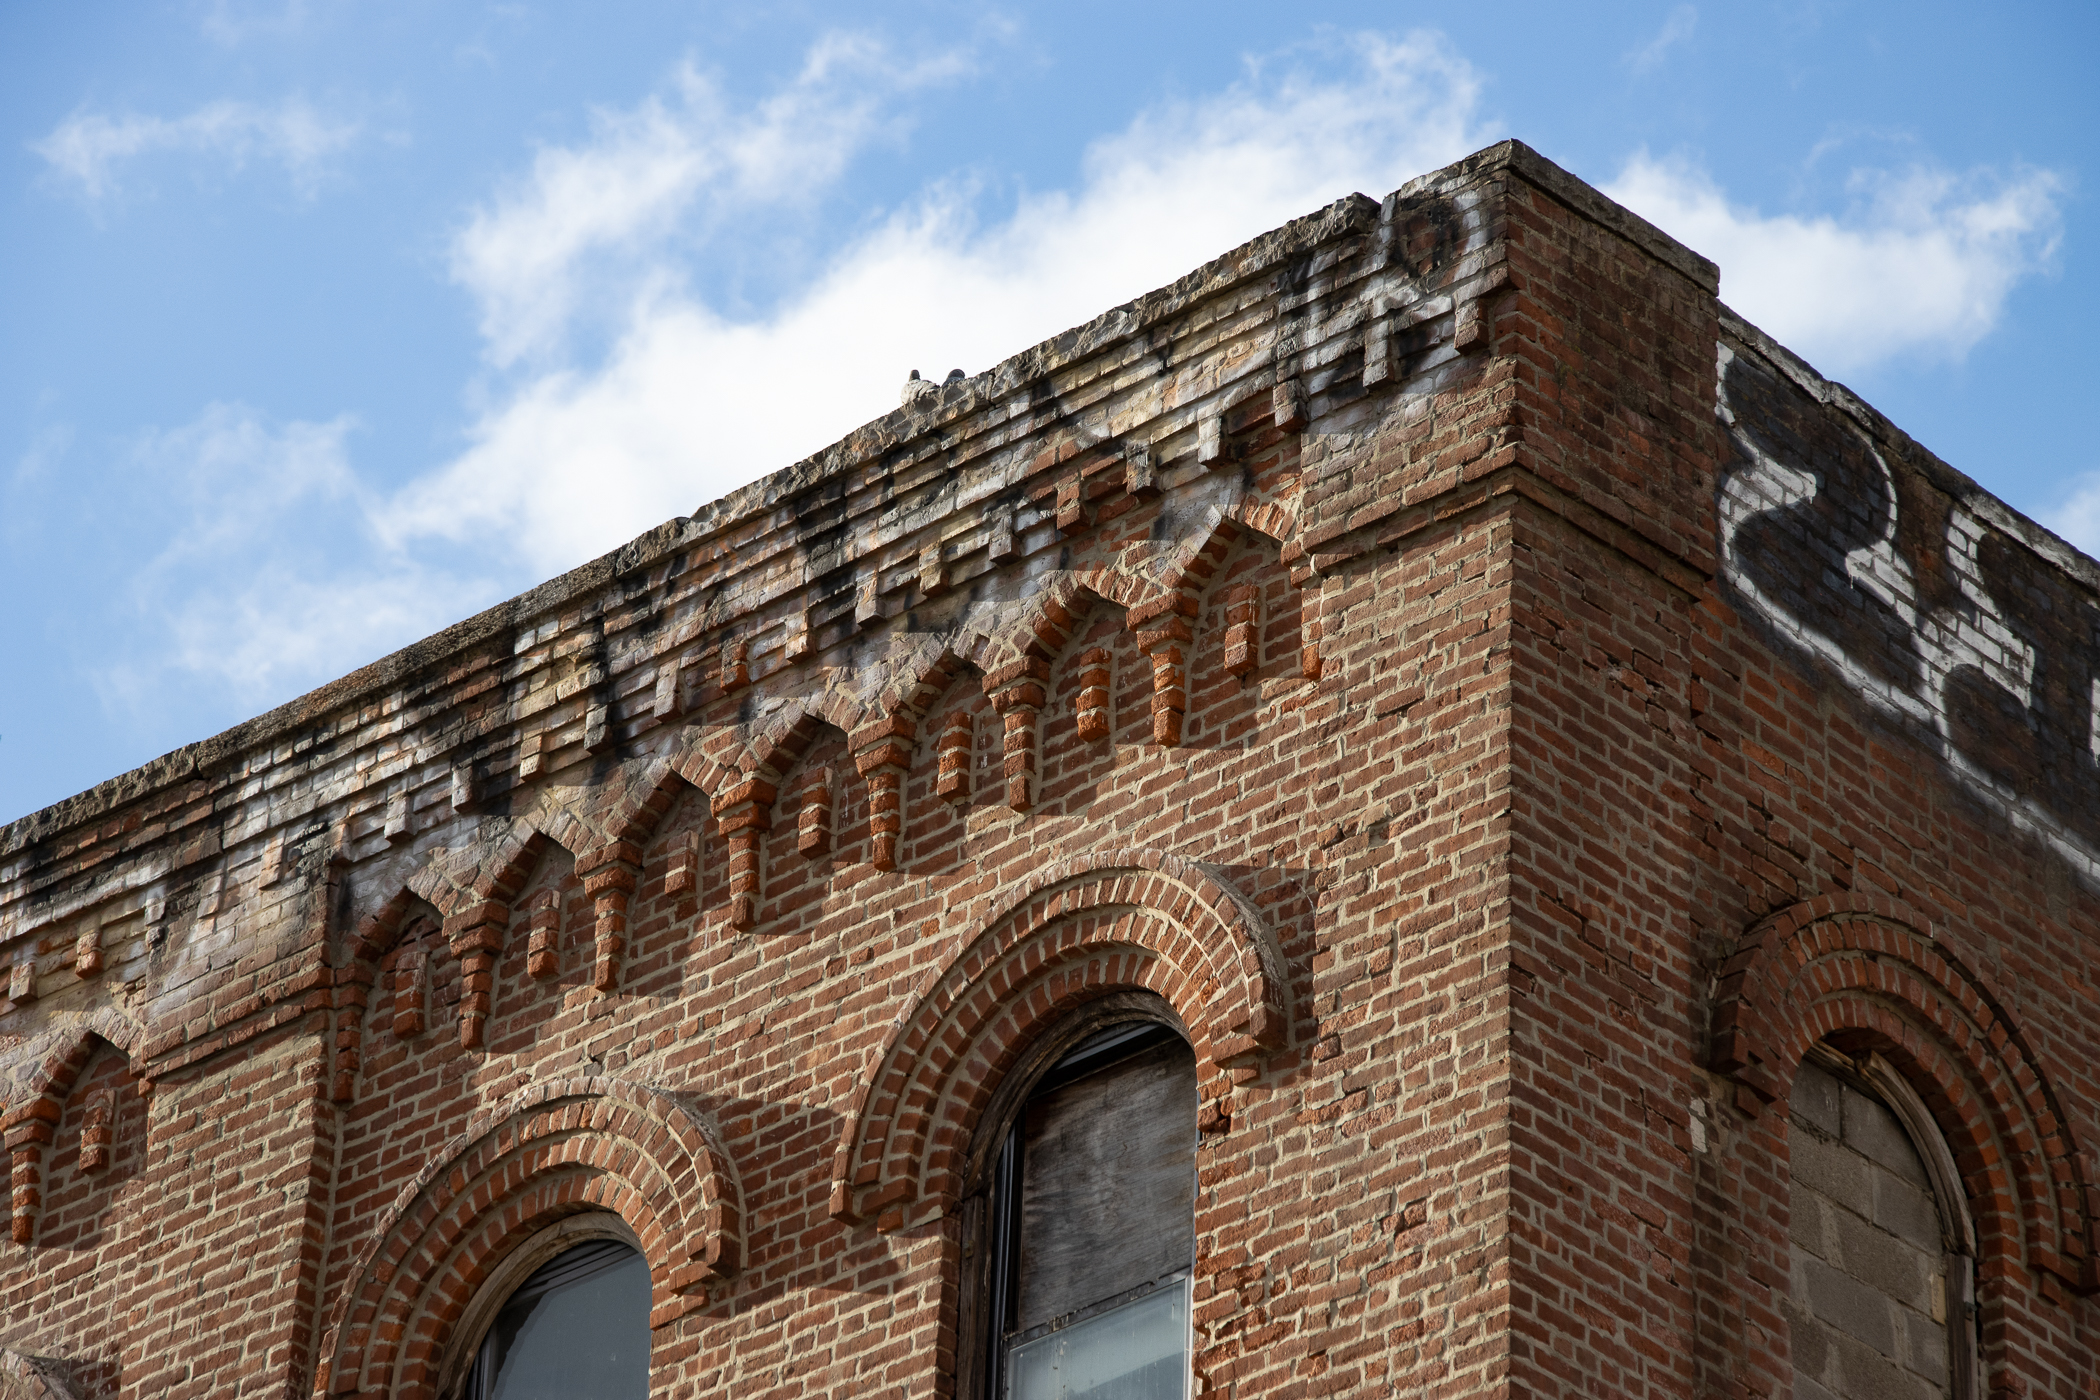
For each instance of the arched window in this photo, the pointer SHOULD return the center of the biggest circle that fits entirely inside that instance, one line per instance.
(1883, 1278)
(575, 1326)
(1080, 1243)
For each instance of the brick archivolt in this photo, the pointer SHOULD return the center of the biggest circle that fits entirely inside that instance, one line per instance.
(32, 1114)
(1856, 969)
(550, 1150)
(1077, 930)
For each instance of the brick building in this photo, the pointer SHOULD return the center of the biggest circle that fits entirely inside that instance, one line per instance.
(1421, 812)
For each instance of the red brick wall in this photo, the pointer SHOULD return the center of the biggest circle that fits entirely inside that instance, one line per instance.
(1498, 840)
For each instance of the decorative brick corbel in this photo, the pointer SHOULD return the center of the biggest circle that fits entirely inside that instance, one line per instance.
(1242, 604)
(736, 665)
(476, 936)
(1288, 404)
(958, 740)
(1378, 350)
(1071, 504)
(609, 875)
(799, 636)
(463, 795)
(1001, 541)
(97, 1134)
(398, 819)
(1017, 694)
(743, 816)
(933, 571)
(882, 756)
(1163, 635)
(682, 876)
(1311, 630)
(28, 1129)
(21, 980)
(599, 736)
(1167, 646)
(1140, 477)
(813, 816)
(543, 936)
(87, 949)
(410, 968)
(1469, 325)
(667, 700)
(1094, 675)
(533, 750)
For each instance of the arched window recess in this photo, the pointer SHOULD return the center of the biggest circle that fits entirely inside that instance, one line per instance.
(1079, 1219)
(565, 1316)
(1950, 1290)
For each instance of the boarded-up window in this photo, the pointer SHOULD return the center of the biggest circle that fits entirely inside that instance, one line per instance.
(1094, 1219)
(1881, 1277)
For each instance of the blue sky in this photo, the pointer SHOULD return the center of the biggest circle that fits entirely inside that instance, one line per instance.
(325, 324)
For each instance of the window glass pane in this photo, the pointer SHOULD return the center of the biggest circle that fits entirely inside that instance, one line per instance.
(1136, 1352)
(578, 1329)
(1108, 1184)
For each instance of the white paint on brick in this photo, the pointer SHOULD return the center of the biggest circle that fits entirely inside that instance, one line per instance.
(1974, 637)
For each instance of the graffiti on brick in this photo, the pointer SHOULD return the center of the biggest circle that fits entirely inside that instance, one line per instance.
(1937, 618)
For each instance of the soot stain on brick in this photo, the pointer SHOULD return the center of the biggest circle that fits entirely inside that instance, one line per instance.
(1431, 224)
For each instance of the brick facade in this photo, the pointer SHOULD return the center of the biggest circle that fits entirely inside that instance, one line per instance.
(1502, 707)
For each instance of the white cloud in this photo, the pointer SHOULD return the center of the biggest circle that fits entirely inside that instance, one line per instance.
(1922, 263)
(2077, 516)
(243, 592)
(684, 166)
(690, 403)
(1676, 29)
(232, 22)
(89, 147)
(284, 569)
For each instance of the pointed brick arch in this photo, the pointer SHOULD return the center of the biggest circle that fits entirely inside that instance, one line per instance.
(1192, 566)
(783, 739)
(1017, 684)
(1078, 929)
(31, 1120)
(1277, 524)
(1853, 968)
(917, 681)
(1270, 518)
(706, 771)
(374, 938)
(646, 801)
(550, 1150)
(472, 887)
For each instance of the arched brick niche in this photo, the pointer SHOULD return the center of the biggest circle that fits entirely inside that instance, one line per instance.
(550, 1151)
(31, 1121)
(1866, 974)
(1078, 930)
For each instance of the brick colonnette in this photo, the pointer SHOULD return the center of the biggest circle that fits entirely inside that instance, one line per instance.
(1343, 646)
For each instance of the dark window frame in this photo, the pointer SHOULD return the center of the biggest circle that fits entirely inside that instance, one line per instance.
(463, 1346)
(983, 1243)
